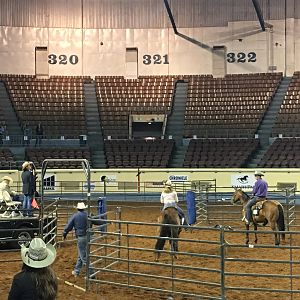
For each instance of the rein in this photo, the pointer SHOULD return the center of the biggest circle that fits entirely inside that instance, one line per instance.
(243, 198)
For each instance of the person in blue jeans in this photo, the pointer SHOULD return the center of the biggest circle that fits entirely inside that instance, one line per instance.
(79, 222)
(169, 198)
(28, 189)
(259, 192)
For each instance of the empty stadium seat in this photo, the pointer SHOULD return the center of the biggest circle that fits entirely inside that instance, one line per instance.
(138, 153)
(219, 153)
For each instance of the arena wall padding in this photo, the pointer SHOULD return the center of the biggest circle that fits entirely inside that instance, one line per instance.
(191, 207)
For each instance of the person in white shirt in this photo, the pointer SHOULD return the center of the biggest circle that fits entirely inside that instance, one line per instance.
(169, 198)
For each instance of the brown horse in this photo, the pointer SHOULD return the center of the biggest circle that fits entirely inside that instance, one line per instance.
(169, 216)
(271, 212)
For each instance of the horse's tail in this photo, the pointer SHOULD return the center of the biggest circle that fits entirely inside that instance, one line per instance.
(280, 220)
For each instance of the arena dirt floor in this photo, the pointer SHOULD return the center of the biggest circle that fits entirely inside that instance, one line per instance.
(67, 253)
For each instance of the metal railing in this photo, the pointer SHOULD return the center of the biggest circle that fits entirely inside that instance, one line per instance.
(211, 264)
(47, 140)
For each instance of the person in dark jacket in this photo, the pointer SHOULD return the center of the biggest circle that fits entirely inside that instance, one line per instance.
(39, 133)
(28, 188)
(37, 280)
(79, 221)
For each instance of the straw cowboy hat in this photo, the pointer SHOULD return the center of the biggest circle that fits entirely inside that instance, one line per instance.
(168, 183)
(38, 254)
(258, 173)
(81, 205)
(8, 179)
(25, 165)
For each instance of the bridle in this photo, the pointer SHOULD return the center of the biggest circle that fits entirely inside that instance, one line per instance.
(244, 196)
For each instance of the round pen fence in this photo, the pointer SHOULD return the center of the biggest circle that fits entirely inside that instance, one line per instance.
(215, 208)
(213, 260)
(212, 263)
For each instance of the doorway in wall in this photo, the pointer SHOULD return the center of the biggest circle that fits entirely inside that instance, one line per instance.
(219, 61)
(131, 63)
(41, 62)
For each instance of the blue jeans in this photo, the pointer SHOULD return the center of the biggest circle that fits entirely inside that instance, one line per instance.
(249, 205)
(27, 206)
(81, 259)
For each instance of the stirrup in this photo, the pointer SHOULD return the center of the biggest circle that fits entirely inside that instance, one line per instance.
(182, 221)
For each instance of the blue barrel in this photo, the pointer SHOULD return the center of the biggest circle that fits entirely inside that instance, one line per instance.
(191, 207)
(102, 212)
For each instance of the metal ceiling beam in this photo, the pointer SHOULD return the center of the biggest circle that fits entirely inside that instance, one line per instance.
(259, 14)
(171, 16)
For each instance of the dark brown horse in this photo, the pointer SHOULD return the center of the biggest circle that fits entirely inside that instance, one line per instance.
(271, 212)
(169, 216)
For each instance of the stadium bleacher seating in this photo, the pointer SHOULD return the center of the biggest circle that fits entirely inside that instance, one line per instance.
(219, 153)
(138, 153)
(7, 159)
(37, 155)
(288, 118)
(283, 153)
(58, 102)
(232, 106)
(119, 97)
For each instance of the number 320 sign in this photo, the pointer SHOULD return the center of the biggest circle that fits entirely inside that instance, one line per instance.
(62, 59)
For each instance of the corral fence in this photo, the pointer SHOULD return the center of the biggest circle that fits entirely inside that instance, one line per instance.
(212, 263)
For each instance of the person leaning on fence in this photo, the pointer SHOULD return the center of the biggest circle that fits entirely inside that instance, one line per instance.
(79, 222)
(28, 188)
(37, 280)
(169, 198)
(259, 192)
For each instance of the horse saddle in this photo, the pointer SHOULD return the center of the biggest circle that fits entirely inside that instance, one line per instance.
(258, 206)
(169, 205)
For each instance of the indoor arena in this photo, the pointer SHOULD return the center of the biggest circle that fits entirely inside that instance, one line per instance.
(149, 149)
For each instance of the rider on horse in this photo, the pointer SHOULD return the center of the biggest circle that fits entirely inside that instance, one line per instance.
(259, 192)
(169, 198)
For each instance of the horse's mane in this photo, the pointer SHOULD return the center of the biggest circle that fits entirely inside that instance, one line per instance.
(244, 193)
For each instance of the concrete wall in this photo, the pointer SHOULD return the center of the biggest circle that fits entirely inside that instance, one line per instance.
(160, 51)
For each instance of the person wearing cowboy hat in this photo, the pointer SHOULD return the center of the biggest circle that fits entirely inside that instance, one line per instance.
(28, 189)
(259, 192)
(37, 280)
(5, 191)
(79, 221)
(6, 196)
(169, 198)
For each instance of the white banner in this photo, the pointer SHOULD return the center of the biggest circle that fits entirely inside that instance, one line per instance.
(179, 178)
(242, 180)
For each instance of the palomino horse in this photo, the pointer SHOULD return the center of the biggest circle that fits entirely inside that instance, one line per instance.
(271, 212)
(169, 216)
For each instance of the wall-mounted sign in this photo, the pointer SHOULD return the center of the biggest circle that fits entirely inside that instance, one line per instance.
(178, 178)
(49, 182)
(242, 180)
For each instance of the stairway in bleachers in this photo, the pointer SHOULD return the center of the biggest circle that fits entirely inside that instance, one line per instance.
(10, 118)
(175, 123)
(265, 129)
(94, 131)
